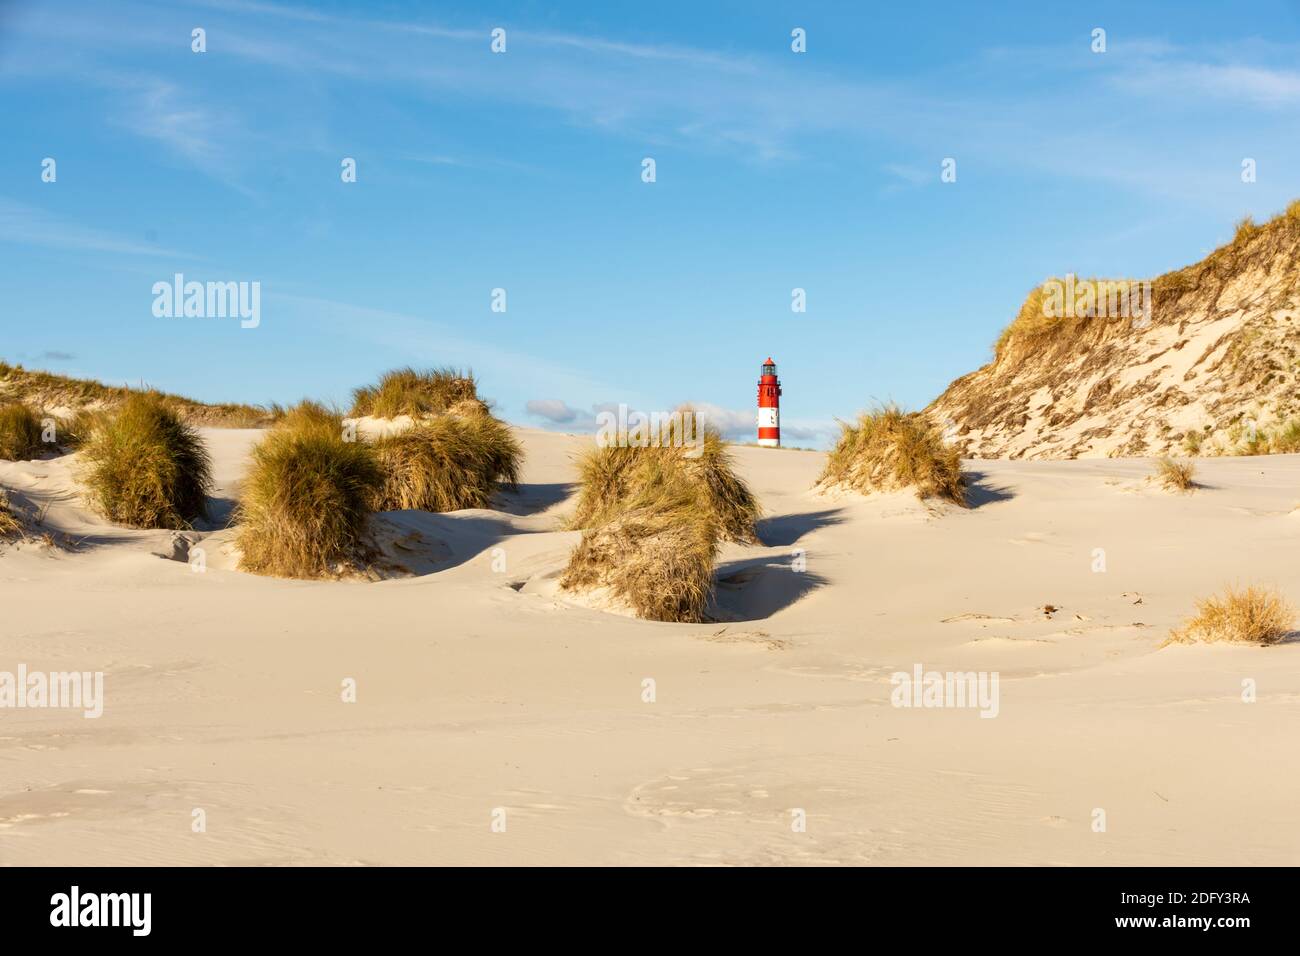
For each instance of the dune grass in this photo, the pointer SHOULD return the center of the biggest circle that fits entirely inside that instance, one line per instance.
(146, 467)
(1176, 475)
(40, 389)
(653, 549)
(409, 391)
(892, 450)
(10, 526)
(447, 463)
(652, 520)
(305, 501)
(1251, 615)
(609, 475)
(20, 433)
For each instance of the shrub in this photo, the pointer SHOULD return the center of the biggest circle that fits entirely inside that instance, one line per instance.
(1192, 441)
(146, 467)
(654, 549)
(1176, 475)
(20, 433)
(305, 501)
(446, 463)
(1253, 615)
(407, 391)
(891, 450)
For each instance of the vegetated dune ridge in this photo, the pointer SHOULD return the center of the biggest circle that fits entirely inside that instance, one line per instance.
(481, 688)
(1222, 350)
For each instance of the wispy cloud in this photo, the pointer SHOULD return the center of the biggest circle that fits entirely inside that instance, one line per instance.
(22, 223)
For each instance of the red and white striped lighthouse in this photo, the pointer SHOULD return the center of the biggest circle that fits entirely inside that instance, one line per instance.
(769, 406)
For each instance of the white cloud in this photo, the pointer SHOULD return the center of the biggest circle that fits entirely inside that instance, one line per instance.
(552, 409)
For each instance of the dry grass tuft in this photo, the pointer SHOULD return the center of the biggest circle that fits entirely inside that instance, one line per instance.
(20, 433)
(653, 518)
(654, 549)
(1253, 615)
(1176, 475)
(892, 450)
(146, 467)
(609, 476)
(10, 526)
(306, 498)
(447, 463)
(407, 391)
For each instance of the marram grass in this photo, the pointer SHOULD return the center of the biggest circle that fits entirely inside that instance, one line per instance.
(654, 549)
(446, 463)
(408, 391)
(1251, 615)
(145, 467)
(20, 433)
(888, 449)
(652, 519)
(304, 504)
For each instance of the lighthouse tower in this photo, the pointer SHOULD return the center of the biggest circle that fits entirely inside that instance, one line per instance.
(769, 406)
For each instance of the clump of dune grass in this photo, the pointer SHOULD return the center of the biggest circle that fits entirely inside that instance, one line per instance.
(610, 475)
(446, 463)
(1251, 615)
(408, 391)
(20, 433)
(305, 501)
(75, 430)
(146, 467)
(1176, 475)
(892, 450)
(652, 519)
(654, 549)
(10, 526)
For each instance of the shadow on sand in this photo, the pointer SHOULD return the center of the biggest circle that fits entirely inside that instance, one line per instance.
(756, 588)
(979, 492)
(785, 530)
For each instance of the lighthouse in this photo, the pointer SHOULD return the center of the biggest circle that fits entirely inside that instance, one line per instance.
(769, 406)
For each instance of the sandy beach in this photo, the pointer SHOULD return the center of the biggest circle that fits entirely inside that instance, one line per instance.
(498, 721)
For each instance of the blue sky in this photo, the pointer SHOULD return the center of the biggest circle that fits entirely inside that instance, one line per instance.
(522, 171)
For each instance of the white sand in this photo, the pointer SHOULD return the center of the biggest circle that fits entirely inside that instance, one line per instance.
(223, 689)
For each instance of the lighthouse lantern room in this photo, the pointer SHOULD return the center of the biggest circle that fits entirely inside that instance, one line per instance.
(769, 406)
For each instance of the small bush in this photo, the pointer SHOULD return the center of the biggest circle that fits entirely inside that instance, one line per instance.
(446, 463)
(1245, 229)
(1192, 441)
(20, 433)
(654, 550)
(146, 467)
(304, 503)
(1253, 615)
(1176, 475)
(407, 391)
(892, 450)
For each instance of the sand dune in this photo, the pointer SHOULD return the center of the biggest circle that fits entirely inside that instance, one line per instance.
(481, 688)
